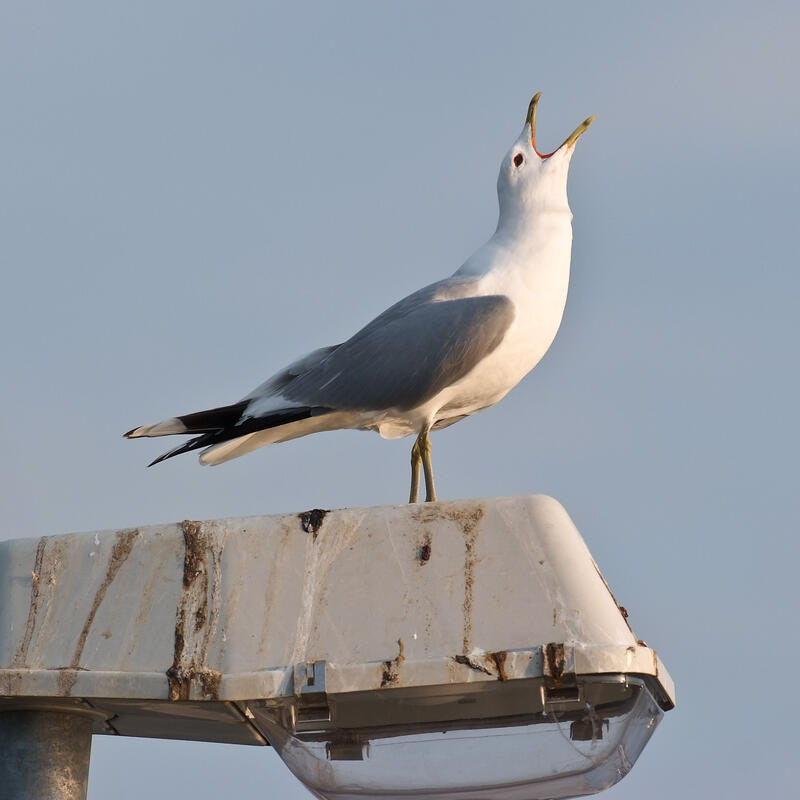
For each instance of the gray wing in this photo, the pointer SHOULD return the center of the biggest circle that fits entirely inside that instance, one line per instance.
(409, 353)
(280, 380)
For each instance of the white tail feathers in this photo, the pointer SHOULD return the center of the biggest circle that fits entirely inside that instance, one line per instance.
(220, 453)
(233, 448)
(164, 428)
(225, 451)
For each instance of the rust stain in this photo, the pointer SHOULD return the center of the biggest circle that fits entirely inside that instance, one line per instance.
(210, 680)
(119, 554)
(193, 611)
(198, 549)
(468, 520)
(472, 664)
(555, 660)
(194, 559)
(194, 566)
(182, 679)
(391, 669)
(176, 677)
(424, 549)
(311, 521)
(390, 674)
(11, 680)
(45, 581)
(33, 609)
(423, 513)
(499, 661)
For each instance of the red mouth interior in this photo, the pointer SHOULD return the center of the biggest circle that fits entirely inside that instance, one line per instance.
(543, 156)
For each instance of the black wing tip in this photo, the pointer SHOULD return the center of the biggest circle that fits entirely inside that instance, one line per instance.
(129, 434)
(186, 447)
(256, 424)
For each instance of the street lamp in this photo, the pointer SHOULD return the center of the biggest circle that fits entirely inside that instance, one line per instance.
(456, 650)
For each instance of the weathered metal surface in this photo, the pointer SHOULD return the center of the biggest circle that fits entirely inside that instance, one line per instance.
(222, 612)
(44, 754)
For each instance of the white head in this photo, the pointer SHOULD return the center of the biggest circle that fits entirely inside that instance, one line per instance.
(531, 182)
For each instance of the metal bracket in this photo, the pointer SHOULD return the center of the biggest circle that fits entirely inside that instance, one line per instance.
(309, 679)
(312, 711)
(561, 698)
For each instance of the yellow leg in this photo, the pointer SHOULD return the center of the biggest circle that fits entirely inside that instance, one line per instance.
(416, 459)
(425, 452)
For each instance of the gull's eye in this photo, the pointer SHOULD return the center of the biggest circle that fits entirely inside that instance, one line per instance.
(518, 159)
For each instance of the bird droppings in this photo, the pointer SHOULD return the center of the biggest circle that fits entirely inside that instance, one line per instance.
(424, 549)
(311, 521)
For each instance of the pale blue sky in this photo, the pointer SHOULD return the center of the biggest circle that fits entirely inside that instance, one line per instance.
(192, 193)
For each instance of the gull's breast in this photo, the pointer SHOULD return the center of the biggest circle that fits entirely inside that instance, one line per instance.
(536, 281)
(539, 301)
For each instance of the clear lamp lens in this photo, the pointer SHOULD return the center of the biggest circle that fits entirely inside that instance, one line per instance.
(515, 740)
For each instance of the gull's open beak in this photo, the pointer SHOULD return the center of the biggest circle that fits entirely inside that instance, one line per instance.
(568, 142)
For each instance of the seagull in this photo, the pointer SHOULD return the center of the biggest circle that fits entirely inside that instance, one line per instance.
(446, 351)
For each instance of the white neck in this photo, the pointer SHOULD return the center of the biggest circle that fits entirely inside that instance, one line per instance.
(520, 240)
(529, 227)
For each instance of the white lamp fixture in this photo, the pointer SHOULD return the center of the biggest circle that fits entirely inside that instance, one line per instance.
(457, 650)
